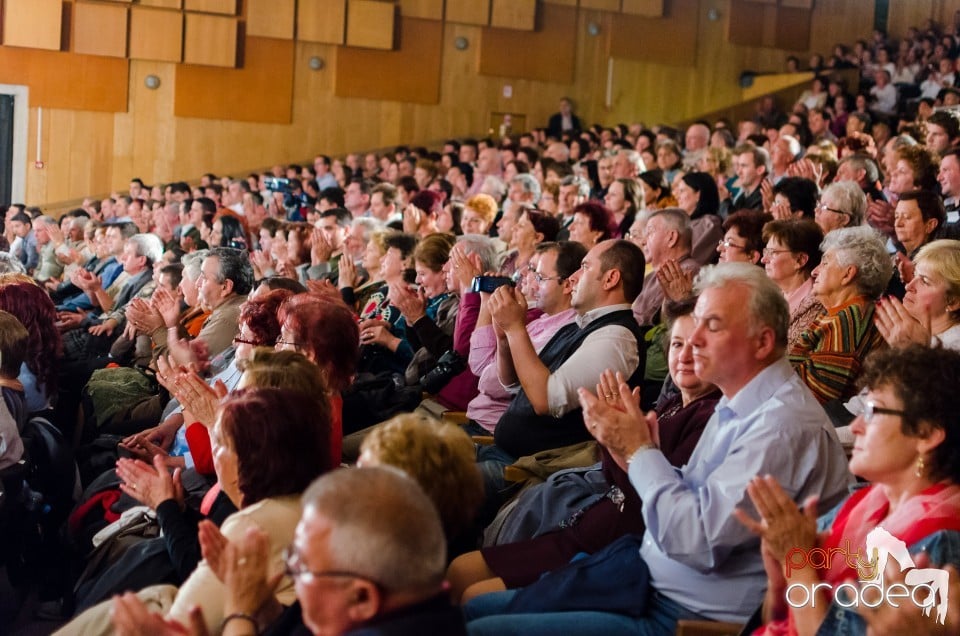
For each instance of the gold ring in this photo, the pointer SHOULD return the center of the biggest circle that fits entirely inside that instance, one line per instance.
(242, 561)
(134, 486)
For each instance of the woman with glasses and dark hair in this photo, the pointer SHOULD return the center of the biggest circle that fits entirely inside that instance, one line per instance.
(791, 254)
(907, 448)
(743, 236)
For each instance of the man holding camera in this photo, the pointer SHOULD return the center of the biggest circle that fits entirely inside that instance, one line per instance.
(545, 413)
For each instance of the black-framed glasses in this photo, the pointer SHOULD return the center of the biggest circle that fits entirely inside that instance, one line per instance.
(824, 206)
(239, 340)
(286, 343)
(870, 409)
(295, 568)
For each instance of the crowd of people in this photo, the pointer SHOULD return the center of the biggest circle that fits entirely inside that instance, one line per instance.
(686, 354)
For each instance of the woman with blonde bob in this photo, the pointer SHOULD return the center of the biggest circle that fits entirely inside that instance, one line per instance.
(441, 458)
(930, 311)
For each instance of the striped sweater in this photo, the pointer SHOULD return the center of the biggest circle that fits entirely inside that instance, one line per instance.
(829, 355)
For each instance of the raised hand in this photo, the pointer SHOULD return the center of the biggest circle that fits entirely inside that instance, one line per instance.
(677, 283)
(899, 327)
(150, 485)
(615, 418)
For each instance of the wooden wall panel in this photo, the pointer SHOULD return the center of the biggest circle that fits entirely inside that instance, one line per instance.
(546, 55)
(371, 24)
(514, 14)
(322, 21)
(792, 29)
(399, 75)
(566, 3)
(161, 142)
(163, 4)
(100, 29)
(156, 35)
(647, 8)
(228, 7)
(271, 18)
(67, 80)
(747, 24)
(261, 91)
(903, 14)
(469, 12)
(32, 23)
(668, 40)
(601, 5)
(426, 9)
(210, 40)
(797, 4)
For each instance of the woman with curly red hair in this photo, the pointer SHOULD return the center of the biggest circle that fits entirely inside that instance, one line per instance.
(32, 306)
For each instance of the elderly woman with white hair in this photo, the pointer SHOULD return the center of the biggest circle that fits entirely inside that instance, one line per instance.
(853, 273)
(842, 204)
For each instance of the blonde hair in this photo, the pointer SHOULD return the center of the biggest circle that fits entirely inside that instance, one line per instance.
(439, 456)
(944, 256)
(484, 205)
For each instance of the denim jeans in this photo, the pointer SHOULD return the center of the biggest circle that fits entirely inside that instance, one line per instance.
(484, 616)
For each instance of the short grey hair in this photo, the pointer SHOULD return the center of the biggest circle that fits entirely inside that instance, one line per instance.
(765, 304)
(865, 163)
(369, 225)
(10, 264)
(583, 186)
(848, 197)
(676, 219)
(633, 157)
(407, 554)
(864, 248)
(483, 247)
(148, 245)
(192, 262)
(530, 185)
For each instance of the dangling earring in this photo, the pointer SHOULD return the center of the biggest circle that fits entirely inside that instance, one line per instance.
(919, 471)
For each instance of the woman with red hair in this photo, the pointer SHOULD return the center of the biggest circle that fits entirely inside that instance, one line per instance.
(33, 308)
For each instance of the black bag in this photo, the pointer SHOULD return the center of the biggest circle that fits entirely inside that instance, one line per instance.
(450, 365)
(373, 399)
(144, 562)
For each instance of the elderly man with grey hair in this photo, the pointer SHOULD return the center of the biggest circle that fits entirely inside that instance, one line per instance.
(49, 267)
(853, 272)
(666, 242)
(703, 564)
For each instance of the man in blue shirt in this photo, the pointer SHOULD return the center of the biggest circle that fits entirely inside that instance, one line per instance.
(703, 563)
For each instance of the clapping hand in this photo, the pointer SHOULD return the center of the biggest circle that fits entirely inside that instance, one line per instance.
(677, 283)
(899, 327)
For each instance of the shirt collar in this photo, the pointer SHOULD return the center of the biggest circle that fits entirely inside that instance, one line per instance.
(593, 314)
(755, 392)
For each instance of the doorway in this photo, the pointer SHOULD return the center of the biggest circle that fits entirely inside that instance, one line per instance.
(14, 120)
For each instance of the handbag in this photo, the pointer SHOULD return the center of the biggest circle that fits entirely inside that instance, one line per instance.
(615, 579)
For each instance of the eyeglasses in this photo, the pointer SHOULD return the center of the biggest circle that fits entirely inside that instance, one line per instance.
(728, 244)
(870, 409)
(541, 279)
(284, 343)
(823, 206)
(295, 568)
(239, 340)
(769, 251)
